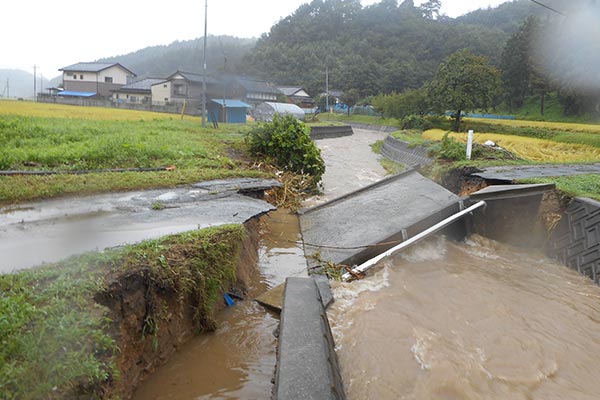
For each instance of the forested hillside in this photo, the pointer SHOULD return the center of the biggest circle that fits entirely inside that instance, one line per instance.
(380, 48)
(161, 61)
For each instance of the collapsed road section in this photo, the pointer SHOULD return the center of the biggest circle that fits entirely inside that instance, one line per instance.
(48, 231)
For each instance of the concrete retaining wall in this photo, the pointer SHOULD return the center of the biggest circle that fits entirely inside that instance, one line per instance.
(576, 240)
(378, 128)
(307, 366)
(403, 153)
(328, 132)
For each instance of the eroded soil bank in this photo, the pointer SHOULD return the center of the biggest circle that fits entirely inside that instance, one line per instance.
(152, 319)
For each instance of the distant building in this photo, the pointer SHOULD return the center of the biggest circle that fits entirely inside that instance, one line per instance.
(98, 78)
(227, 110)
(253, 92)
(182, 87)
(138, 92)
(298, 95)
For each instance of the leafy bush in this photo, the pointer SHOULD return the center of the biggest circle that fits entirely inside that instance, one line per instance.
(286, 142)
(415, 122)
(449, 149)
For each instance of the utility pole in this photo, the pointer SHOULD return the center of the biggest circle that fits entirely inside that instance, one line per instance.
(327, 88)
(225, 90)
(204, 69)
(34, 82)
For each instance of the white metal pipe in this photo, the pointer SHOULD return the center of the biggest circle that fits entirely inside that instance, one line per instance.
(428, 232)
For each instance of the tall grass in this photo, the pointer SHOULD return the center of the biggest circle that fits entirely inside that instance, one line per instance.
(533, 149)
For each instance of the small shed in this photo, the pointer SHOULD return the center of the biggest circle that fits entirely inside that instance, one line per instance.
(227, 111)
(266, 111)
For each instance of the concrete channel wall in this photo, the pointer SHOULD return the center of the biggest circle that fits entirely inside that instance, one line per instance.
(403, 153)
(329, 132)
(576, 240)
(307, 366)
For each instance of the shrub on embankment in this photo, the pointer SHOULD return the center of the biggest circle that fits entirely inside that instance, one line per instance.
(91, 326)
(286, 143)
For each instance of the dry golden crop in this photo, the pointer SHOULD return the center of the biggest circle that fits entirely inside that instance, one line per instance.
(538, 150)
(46, 110)
(559, 126)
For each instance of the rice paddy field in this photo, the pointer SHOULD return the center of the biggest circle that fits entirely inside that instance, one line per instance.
(60, 138)
(558, 126)
(528, 148)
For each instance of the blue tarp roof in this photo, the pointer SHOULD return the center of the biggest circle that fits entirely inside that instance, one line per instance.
(231, 103)
(76, 94)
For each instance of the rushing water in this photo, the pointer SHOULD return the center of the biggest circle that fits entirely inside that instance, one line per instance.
(476, 320)
(238, 360)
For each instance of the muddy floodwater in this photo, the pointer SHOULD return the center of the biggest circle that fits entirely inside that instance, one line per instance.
(238, 360)
(476, 320)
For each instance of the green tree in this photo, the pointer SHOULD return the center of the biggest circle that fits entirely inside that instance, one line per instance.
(350, 98)
(516, 65)
(463, 82)
(431, 9)
(401, 105)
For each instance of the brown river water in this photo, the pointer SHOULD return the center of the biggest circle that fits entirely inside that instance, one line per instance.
(475, 320)
(238, 360)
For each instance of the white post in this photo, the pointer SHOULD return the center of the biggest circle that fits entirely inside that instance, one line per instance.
(469, 144)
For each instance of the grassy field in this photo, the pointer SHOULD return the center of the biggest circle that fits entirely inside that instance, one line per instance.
(49, 137)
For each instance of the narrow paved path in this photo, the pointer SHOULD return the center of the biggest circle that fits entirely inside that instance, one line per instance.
(510, 173)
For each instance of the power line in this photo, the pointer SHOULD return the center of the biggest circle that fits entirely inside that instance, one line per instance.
(548, 7)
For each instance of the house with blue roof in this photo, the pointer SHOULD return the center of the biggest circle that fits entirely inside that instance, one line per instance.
(94, 79)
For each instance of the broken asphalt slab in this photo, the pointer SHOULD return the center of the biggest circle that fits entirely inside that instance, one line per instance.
(48, 231)
(511, 173)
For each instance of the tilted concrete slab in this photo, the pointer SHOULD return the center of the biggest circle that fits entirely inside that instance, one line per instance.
(394, 209)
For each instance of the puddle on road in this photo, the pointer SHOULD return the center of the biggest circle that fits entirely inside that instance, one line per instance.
(238, 360)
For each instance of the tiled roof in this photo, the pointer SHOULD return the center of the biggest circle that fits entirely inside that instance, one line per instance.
(289, 90)
(91, 67)
(257, 86)
(193, 77)
(142, 85)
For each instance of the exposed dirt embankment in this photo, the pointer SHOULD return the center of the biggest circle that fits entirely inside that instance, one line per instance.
(173, 295)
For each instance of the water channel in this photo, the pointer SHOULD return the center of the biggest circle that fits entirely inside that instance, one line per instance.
(473, 320)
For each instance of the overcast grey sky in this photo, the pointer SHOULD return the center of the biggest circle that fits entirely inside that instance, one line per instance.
(57, 33)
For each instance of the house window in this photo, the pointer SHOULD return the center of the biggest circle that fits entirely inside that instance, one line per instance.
(81, 77)
(165, 85)
(133, 98)
(166, 99)
(74, 76)
(108, 79)
(180, 90)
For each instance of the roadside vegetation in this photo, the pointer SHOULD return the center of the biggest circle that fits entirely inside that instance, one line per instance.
(285, 143)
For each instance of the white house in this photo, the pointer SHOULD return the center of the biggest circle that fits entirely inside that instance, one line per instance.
(100, 79)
